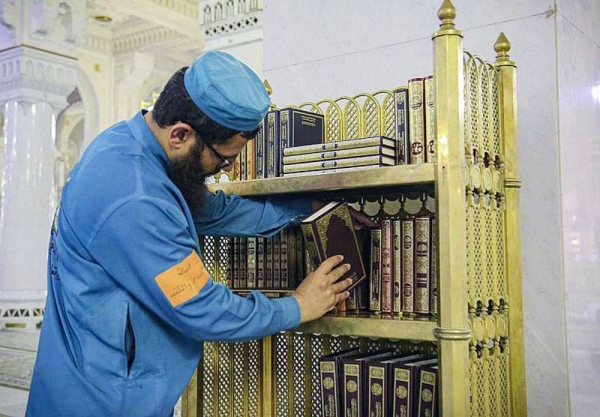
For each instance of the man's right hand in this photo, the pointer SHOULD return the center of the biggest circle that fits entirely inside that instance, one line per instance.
(319, 292)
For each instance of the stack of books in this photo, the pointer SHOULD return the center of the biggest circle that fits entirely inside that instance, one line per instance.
(378, 384)
(340, 156)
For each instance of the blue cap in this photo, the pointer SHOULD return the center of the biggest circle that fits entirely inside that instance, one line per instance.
(227, 91)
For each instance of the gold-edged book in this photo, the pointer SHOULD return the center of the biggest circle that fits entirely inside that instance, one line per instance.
(380, 160)
(339, 154)
(330, 231)
(341, 144)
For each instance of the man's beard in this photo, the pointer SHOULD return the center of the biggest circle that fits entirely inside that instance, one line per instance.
(187, 174)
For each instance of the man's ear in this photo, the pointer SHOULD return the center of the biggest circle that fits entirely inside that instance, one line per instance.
(179, 133)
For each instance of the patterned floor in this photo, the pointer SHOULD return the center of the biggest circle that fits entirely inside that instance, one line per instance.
(17, 357)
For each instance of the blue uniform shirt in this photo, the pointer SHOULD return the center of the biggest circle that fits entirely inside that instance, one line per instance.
(121, 336)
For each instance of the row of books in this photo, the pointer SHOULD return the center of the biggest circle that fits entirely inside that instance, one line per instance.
(275, 263)
(378, 384)
(400, 273)
(291, 132)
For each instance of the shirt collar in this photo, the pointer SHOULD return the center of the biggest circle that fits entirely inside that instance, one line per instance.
(142, 133)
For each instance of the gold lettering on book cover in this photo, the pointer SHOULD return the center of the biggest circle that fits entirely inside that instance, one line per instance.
(401, 392)
(328, 383)
(427, 395)
(376, 389)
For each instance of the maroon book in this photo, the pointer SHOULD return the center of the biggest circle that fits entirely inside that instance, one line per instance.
(329, 232)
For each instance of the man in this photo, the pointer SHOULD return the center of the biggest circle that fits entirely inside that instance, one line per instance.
(130, 301)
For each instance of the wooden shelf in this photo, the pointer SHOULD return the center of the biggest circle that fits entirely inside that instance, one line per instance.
(398, 175)
(373, 326)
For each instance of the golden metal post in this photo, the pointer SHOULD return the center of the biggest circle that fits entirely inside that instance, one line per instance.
(189, 399)
(453, 326)
(267, 376)
(507, 70)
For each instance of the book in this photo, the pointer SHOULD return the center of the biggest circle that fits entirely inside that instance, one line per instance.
(433, 302)
(430, 132)
(408, 264)
(355, 381)
(379, 160)
(401, 124)
(252, 271)
(405, 385)
(341, 154)
(272, 145)
(300, 128)
(330, 375)
(380, 383)
(397, 262)
(260, 152)
(235, 262)
(330, 231)
(416, 114)
(251, 159)
(422, 263)
(330, 170)
(375, 271)
(427, 395)
(387, 292)
(341, 145)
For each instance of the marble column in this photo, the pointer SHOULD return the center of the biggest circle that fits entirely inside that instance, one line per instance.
(33, 90)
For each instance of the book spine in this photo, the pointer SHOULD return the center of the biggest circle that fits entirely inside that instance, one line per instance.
(408, 265)
(422, 261)
(269, 263)
(375, 273)
(284, 258)
(340, 145)
(251, 159)
(292, 263)
(273, 143)
(348, 162)
(284, 129)
(397, 265)
(329, 395)
(277, 260)
(228, 241)
(430, 131)
(303, 259)
(386, 266)
(260, 262)
(251, 262)
(416, 115)
(243, 165)
(402, 398)
(259, 144)
(236, 263)
(311, 245)
(377, 391)
(402, 123)
(347, 153)
(433, 305)
(236, 172)
(243, 262)
(352, 392)
(427, 392)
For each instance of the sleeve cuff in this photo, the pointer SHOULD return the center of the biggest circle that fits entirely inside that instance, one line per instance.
(290, 319)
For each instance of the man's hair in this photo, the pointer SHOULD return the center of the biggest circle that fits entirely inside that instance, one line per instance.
(175, 105)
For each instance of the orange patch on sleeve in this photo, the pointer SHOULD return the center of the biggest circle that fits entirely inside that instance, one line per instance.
(183, 281)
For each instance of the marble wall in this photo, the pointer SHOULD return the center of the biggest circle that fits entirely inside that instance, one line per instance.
(315, 49)
(578, 66)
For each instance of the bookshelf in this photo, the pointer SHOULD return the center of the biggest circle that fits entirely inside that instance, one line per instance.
(478, 333)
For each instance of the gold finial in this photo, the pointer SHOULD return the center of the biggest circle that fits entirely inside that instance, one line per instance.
(269, 92)
(446, 14)
(502, 46)
(268, 87)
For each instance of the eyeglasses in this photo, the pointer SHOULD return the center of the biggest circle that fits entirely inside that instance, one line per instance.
(225, 162)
